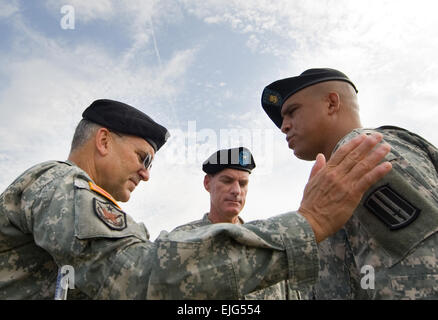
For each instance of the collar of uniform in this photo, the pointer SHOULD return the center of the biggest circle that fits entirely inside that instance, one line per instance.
(205, 218)
(94, 187)
(71, 163)
(350, 135)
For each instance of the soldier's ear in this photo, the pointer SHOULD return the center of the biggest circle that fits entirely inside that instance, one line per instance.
(334, 102)
(207, 180)
(102, 141)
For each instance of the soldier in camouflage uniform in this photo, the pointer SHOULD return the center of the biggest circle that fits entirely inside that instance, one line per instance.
(387, 250)
(227, 178)
(66, 213)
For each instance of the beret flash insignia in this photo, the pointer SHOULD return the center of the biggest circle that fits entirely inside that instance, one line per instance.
(244, 158)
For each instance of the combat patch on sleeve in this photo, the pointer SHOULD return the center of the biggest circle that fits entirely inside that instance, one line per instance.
(390, 207)
(114, 218)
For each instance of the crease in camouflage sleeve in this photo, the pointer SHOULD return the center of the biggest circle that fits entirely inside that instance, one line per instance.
(26, 271)
(237, 259)
(282, 290)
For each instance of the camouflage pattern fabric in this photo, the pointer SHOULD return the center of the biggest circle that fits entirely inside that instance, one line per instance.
(50, 217)
(404, 260)
(280, 291)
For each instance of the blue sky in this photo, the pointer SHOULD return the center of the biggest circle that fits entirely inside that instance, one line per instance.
(199, 67)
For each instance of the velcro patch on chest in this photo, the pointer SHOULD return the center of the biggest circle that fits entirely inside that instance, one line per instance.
(113, 218)
(391, 208)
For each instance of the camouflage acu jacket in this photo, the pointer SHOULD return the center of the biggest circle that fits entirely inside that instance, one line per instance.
(53, 215)
(280, 291)
(388, 249)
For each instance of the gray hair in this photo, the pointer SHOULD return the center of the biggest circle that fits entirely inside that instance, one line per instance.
(84, 131)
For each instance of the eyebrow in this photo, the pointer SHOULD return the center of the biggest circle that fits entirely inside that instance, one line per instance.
(144, 153)
(287, 108)
(232, 178)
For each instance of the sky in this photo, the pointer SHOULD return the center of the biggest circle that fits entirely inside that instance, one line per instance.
(199, 67)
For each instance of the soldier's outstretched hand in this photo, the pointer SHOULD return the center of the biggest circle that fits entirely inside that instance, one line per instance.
(335, 188)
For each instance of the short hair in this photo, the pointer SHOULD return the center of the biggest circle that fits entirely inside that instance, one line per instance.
(345, 90)
(84, 130)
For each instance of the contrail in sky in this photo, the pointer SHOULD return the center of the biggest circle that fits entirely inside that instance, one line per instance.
(157, 52)
(171, 102)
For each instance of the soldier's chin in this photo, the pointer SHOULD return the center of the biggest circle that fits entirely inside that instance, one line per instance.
(123, 196)
(234, 209)
(303, 155)
(295, 150)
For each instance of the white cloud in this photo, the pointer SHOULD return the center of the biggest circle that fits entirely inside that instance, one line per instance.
(7, 9)
(138, 18)
(85, 11)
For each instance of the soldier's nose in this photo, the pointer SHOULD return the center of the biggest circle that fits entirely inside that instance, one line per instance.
(144, 174)
(285, 126)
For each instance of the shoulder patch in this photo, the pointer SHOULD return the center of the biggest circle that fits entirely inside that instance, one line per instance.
(390, 207)
(114, 218)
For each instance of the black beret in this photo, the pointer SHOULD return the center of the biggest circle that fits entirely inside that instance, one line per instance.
(275, 94)
(123, 118)
(235, 158)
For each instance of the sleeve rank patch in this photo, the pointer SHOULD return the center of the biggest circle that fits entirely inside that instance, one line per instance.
(390, 207)
(114, 218)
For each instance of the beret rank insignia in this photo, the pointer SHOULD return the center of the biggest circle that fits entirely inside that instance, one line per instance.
(271, 97)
